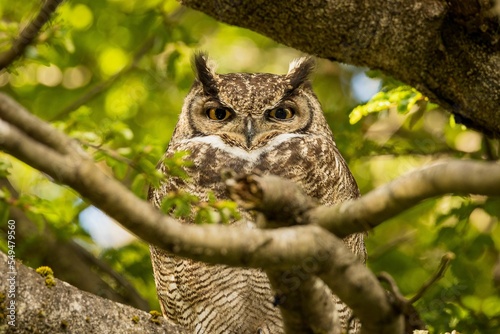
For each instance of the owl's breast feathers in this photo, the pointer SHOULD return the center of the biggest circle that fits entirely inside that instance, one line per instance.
(312, 161)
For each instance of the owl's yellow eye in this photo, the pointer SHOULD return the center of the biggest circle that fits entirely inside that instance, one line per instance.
(282, 113)
(218, 114)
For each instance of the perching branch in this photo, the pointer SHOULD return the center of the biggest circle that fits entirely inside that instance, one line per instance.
(29, 33)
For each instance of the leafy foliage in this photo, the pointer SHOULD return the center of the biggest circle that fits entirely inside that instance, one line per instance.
(113, 74)
(401, 97)
(181, 204)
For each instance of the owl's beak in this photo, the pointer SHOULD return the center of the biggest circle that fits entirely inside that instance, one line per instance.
(249, 131)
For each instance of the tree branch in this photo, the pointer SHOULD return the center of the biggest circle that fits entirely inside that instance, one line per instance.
(372, 209)
(29, 33)
(305, 302)
(445, 262)
(63, 308)
(270, 194)
(413, 322)
(358, 287)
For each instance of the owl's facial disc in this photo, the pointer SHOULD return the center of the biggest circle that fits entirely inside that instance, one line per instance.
(248, 110)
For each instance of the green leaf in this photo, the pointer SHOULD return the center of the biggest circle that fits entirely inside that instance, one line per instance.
(404, 98)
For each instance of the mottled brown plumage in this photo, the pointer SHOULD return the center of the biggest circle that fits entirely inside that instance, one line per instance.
(246, 122)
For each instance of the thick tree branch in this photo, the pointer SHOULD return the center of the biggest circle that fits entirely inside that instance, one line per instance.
(64, 309)
(347, 278)
(427, 44)
(305, 301)
(29, 33)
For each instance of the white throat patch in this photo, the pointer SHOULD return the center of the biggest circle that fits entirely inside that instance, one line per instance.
(250, 156)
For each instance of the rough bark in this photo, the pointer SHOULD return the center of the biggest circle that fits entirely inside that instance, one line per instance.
(449, 50)
(63, 308)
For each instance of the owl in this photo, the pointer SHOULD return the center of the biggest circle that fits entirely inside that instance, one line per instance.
(246, 122)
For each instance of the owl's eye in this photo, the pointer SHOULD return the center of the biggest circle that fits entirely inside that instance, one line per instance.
(282, 113)
(218, 114)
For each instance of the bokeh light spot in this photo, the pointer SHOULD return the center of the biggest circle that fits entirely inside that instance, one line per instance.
(468, 141)
(76, 77)
(81, 17)
(50, 76)
(112, 60)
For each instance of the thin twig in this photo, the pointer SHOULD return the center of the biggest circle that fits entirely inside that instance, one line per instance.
(29, 33)
(412, 318)
(393, 287)
(113, 154)
(445, 262)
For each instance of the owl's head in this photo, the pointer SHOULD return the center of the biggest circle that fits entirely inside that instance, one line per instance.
(247, 110)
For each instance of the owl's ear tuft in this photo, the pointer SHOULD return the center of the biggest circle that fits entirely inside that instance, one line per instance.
(205, 73)
(299, 71)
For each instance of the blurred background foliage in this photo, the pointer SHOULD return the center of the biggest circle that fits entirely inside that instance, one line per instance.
(113, 74)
